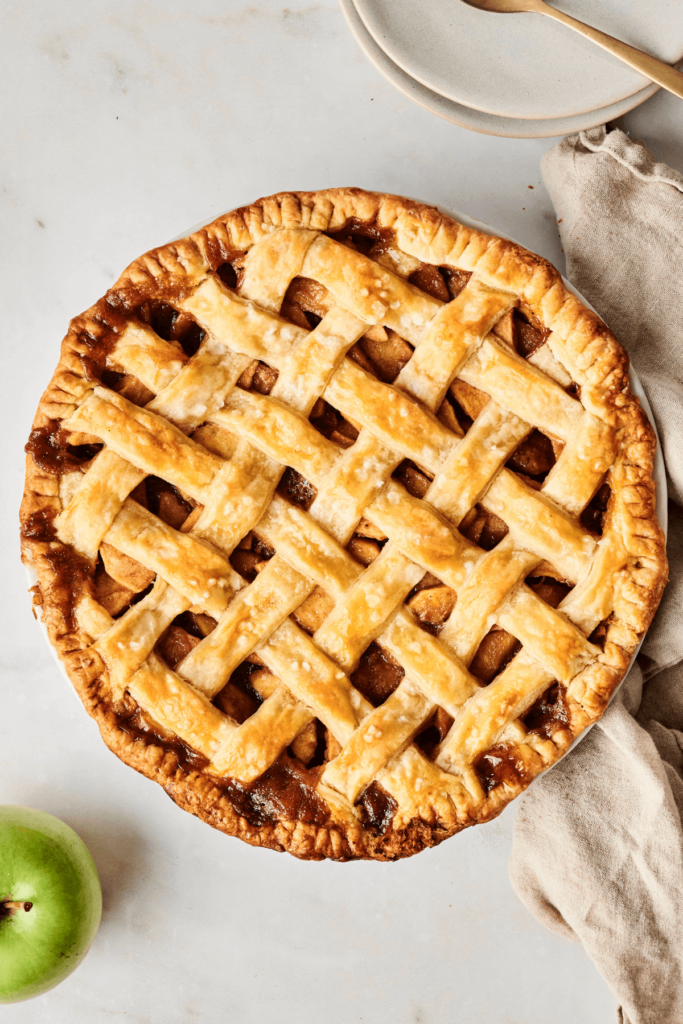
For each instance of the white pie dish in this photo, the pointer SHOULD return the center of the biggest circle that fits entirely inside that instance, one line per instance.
(469, 117)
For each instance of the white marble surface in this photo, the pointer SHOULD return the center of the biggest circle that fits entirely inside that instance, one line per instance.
(129, 122)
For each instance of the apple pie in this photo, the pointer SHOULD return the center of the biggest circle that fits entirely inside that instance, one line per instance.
(343, 521)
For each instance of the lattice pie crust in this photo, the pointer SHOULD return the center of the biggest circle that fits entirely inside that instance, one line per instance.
(343, 519)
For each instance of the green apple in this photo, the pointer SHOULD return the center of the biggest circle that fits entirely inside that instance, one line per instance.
(50, 902)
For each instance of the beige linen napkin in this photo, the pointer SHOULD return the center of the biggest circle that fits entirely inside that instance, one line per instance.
(598, 844)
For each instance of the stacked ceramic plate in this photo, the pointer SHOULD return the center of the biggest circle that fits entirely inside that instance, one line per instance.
(520, 75)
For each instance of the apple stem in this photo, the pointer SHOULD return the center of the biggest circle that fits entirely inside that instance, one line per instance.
(8, 907)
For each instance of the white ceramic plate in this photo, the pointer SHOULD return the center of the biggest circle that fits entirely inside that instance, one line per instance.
(468, 117)
(636, 388)
(523, 65)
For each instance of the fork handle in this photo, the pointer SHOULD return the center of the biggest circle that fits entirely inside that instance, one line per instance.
(659, 72)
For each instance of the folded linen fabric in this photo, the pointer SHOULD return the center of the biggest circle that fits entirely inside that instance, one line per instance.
(598, 842)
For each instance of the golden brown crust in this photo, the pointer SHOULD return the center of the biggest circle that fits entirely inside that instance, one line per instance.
(581, 343)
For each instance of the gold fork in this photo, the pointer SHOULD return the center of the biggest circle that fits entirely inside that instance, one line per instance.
(659, 72)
